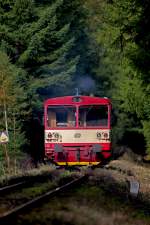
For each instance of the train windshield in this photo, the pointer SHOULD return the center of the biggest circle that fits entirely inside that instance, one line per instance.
(61, 116)
(93, 115)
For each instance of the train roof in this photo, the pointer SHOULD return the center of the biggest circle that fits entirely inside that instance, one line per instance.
(77, 99)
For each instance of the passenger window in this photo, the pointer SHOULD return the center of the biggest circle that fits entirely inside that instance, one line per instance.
(61, 116)
(93, 115)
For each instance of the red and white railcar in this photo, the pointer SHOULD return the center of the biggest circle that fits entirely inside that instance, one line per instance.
(77, 130)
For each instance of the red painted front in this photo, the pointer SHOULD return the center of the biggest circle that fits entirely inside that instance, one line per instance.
(70, 152)
(78, 152)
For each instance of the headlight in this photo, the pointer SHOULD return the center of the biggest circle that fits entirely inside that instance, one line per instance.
(105, 135)
(56, 135)
(49, 135)
(99, 135)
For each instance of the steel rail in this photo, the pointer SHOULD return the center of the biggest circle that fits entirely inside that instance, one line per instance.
(5, 216)
(11, 187)
(26, 182)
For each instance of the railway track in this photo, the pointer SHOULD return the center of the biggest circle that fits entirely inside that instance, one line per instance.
(12, 187)
(6, 216)
(17, 209)
(26, 181)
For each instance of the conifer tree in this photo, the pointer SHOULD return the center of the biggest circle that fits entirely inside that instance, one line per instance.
(12, 108)
(124, 69)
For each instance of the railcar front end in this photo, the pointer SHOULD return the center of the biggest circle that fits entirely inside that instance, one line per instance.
(77, 130)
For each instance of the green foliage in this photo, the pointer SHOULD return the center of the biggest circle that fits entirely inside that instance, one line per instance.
(146, 132)
(13, 102)
(120, 28)
(47, 39)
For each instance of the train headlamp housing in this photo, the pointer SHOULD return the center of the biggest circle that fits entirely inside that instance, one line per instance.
(99, 135)
(49, 135)
(103, 135)
(106, 135)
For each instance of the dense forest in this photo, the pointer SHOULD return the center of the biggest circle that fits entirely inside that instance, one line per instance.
(50, 47)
